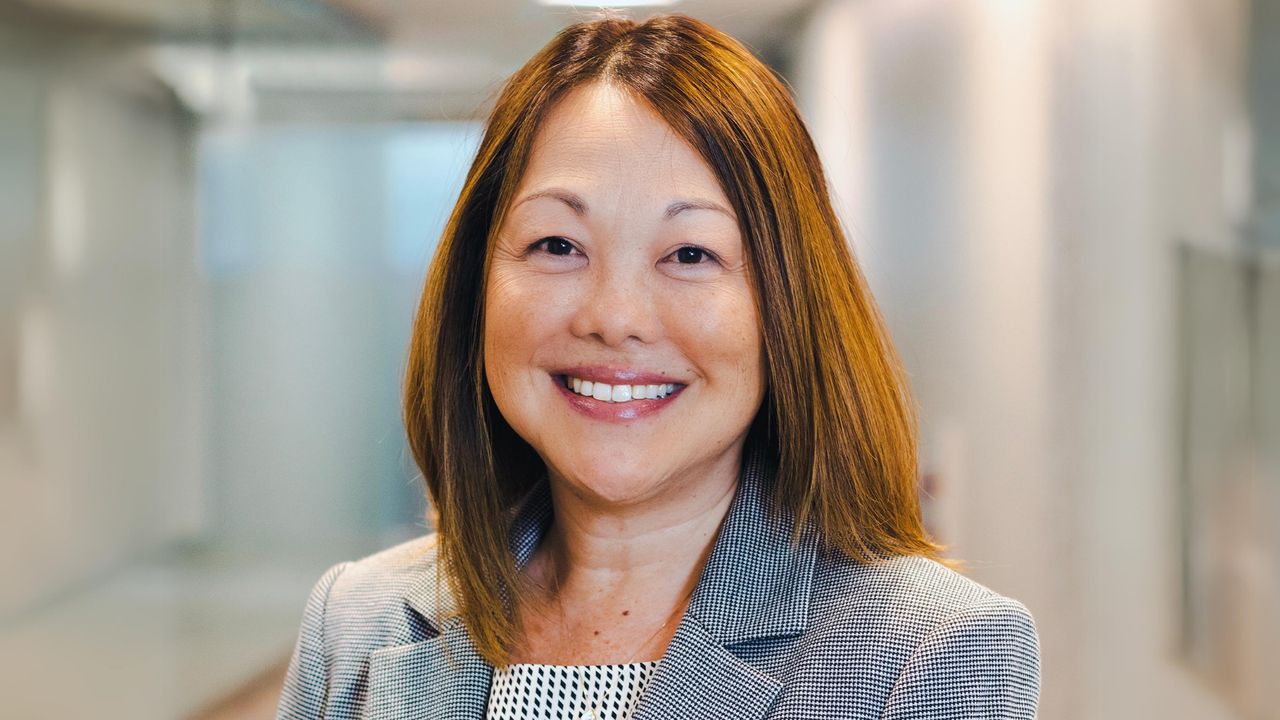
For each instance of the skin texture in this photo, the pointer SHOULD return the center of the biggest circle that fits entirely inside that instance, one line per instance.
(637, 503)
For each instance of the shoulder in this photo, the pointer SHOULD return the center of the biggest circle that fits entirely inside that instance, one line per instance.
(354, 608)
(359, 605)
(903, 599)
(914, 590)
(367, 597)
(388, 572)
(924, 630)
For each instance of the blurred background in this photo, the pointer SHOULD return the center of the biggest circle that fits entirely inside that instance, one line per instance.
(215, 217)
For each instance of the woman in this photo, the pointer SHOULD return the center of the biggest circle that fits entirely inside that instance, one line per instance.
(669, 445)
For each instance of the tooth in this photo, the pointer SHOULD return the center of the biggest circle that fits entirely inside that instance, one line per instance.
(619, 393)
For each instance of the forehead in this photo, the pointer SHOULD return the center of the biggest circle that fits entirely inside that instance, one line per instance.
(599, 134)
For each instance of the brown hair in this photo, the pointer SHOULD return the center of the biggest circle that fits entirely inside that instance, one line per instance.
(837, 419)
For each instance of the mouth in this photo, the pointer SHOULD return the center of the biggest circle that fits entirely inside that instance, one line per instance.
(617, 392)
(615, 402)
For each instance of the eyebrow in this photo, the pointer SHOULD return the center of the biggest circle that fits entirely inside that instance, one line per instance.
(579, 206)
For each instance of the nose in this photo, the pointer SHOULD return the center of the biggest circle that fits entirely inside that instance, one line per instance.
(617, 306)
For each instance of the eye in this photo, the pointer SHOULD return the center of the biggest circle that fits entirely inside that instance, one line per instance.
(554, 245)
(692, 255)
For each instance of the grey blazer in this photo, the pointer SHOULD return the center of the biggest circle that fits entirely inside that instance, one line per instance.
(773, 630)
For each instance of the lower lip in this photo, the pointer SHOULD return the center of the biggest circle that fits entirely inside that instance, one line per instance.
(612, 411)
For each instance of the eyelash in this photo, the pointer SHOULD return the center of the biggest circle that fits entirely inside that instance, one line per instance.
(543, 241)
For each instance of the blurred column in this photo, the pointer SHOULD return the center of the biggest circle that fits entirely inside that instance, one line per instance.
(306, 344)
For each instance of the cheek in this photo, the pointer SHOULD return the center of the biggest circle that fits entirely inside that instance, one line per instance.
(520, 319)
(504, 311)
(505, 348)
(723, 339)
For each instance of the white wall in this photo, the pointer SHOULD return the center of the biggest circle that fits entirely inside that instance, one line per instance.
(1018, 174)
(315, 241)
(100, 413)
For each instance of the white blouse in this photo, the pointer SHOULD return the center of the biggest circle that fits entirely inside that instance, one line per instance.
(530, 691)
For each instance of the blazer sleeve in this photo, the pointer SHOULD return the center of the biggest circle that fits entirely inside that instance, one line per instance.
(306, 682)
(983, 662)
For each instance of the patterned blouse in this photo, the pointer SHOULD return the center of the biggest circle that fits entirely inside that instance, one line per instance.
(529, 691)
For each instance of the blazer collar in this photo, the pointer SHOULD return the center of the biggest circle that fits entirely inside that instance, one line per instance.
(756, 584)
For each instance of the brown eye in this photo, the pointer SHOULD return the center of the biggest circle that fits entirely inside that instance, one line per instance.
(690, 255)
(554, 245)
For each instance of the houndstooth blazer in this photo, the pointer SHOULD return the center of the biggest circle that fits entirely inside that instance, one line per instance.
(773, 630)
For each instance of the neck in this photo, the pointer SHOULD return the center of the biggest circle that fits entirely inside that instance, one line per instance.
(654, 548)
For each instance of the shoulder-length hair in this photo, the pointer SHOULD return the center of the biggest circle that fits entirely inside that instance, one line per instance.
(837, 418)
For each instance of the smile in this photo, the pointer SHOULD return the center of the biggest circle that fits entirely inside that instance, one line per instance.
(622, 404)
(618, 393)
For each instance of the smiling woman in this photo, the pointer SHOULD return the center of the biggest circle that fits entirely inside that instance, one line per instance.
(669, 444)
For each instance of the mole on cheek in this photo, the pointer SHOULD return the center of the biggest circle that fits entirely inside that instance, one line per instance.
(626, 612)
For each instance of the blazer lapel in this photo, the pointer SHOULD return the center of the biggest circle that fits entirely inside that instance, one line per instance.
(698, 677)
(442, 678)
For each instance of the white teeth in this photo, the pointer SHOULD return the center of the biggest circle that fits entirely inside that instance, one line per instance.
(619, 393)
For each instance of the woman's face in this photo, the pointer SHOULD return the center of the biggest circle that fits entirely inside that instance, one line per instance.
(620, 263)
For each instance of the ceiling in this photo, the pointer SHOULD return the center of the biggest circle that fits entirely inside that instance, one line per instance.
(368, 60)
(509, 31)
(280, 20)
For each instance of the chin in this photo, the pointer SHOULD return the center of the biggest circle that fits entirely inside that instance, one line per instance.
(614, 482)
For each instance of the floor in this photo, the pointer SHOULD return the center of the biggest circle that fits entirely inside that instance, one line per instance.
(256, 701)
(165, 639)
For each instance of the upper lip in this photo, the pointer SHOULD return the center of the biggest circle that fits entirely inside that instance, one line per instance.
(616, 374)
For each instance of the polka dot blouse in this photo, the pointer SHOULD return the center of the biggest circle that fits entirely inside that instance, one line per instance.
(528, 691)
